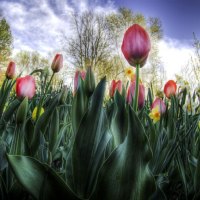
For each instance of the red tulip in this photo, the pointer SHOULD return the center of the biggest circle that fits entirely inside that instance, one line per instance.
(136, 45)
(57, 63)
(170, 88)
(115, 85)
(10, 72)
(141, 95)
(78, 74)
(158, 102)
(25, 87)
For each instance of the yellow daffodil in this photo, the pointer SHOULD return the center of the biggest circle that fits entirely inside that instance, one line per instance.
(155, 114)
(34, 113)
(129, 72)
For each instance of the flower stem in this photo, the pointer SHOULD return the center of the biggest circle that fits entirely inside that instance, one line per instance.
(135, 105)
(45, 92)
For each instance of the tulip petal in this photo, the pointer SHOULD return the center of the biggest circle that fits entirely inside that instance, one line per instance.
(170, 88)
(136, 45)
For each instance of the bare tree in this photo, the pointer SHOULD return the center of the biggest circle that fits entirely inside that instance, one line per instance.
(89, 45)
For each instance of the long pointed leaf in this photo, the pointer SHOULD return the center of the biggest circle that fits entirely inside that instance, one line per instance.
(125, 174)
(39, 179)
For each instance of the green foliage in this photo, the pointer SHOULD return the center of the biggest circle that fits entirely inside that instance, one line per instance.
(83, 147)
(29, 61)
(5, 40)
(125, 174)
(39, 179)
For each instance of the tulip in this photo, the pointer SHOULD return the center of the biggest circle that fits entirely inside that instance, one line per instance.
(57, 63)
(78, 74)
(136, 45)
(170, 88)
(10, 72)
(158, 102)
(25, 87)
(115, 85)
(141, 94)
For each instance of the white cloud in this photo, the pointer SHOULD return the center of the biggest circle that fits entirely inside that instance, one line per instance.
(36, 25)
(174, 56)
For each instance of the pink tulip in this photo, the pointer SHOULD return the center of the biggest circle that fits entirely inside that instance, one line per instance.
(136, 45)
(115, 85)
(25, 87)
(158, 102)
(170, 88)
(10, 72)
(141, 95)
(78, 74)
(57, 63)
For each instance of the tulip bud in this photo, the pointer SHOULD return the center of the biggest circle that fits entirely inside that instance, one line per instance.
(136, 45)
(10, 72)
(115, 85)
(78, 74)
(89, 82)
(57, 63)
(170, 88)
(22, 111)
(141, 95)
(158, 102)
(25, 87)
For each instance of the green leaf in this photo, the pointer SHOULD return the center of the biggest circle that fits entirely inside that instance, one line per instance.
(89, 82)
(197, 176)
(54, 129)
(22, 111)
(152, 134)
(41, 125)
(119, 120)
(125, 174)
(59, 138)
(10, 110)
(4, 93)
(28, 130)
(3, 161)
(150, 96)
(39, 179)
(90, 144)
(79, 106)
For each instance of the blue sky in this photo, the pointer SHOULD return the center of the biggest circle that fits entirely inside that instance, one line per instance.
(38, 24)
(180, 18)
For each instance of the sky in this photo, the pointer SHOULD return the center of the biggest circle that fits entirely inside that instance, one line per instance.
(180, 18)
(37, 24)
